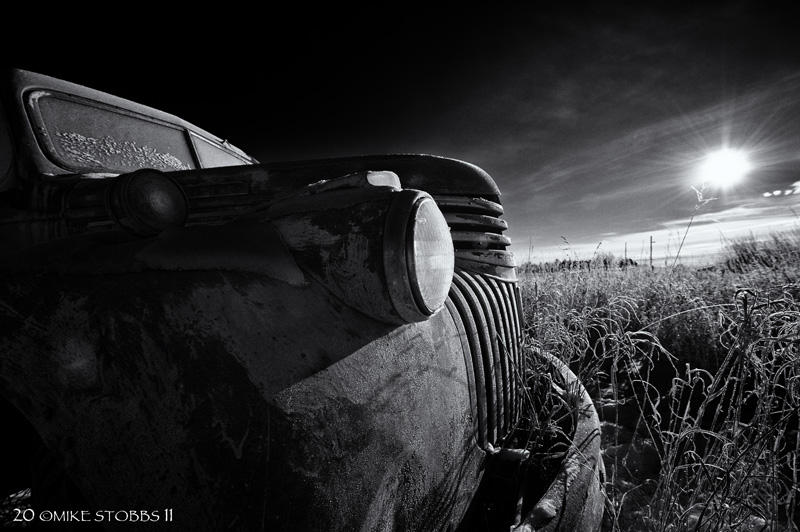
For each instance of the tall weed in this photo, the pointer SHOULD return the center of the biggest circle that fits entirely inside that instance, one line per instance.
(696, 375)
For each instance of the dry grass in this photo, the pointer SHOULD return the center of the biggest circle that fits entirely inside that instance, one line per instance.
(696, 374)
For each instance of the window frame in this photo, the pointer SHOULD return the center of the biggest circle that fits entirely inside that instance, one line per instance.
(195, 137)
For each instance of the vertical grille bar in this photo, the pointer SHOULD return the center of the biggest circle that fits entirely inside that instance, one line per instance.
(476, 364)
(463, 335)
(522, 362)
(507, 347)
(501, 361)
(490, 337)
(485, 354)
(513, 303)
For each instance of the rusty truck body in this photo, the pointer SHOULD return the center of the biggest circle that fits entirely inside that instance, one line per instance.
(312, 345)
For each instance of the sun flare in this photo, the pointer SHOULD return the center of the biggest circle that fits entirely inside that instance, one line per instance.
(724, 168)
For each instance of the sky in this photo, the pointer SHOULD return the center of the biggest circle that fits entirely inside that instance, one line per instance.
(593, 121)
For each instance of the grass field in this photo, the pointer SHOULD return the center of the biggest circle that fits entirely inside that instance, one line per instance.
(696, 376)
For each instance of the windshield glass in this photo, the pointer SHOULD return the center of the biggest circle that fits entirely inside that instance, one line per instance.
(211, 155)
(88, 136)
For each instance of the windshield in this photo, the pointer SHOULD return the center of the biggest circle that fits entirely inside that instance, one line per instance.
(88, 136)
(85, 135)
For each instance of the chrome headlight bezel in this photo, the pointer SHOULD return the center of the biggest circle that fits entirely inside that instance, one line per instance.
(406, 280)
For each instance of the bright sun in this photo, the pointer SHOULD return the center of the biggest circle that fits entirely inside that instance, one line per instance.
(724, 168)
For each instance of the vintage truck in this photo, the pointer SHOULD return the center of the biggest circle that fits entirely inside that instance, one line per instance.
(190, 336)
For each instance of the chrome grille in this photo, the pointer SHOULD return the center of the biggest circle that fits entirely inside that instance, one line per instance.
(484, 301)
(477, 232)
(487, 311)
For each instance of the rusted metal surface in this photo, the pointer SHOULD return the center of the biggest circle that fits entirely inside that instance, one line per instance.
(240, 352)
(225, 360)
(480, 240)
(241, 401)
(468, 204)
(392, 421)
(435, 175)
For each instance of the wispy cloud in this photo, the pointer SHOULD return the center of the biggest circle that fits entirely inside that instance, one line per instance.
(662, 153)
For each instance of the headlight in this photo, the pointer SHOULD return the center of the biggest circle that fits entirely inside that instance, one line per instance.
(418, 256)
(430, 256)
(384, 251)
(146, 202)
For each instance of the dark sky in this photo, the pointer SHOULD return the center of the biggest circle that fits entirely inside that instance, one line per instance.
(591, 120)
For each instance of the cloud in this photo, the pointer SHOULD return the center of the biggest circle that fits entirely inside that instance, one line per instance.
(750, 212)
(594, 130)
(662, 153)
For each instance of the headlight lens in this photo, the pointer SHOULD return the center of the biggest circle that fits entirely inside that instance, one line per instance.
(430, 258)
(147, 202)
(418, 256)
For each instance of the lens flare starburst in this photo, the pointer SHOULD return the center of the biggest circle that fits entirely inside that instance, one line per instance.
(724, 168)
